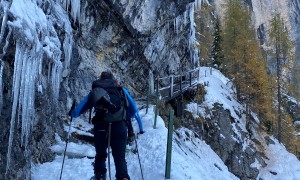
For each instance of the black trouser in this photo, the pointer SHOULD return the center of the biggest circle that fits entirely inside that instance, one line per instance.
(118, 146)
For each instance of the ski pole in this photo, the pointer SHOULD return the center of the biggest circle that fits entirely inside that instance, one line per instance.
(137, 149)
(109, 136)
(90, 115)
(62, 166)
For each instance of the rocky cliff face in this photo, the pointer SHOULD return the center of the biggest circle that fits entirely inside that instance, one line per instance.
(263, 12)
(73, 43)
(239, 148)
(294, 6)
(133, 38)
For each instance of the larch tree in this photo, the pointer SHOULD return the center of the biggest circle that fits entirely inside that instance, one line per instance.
(243, 61)
(282, 59)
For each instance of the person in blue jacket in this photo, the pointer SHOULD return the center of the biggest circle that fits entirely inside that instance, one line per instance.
(114, 108)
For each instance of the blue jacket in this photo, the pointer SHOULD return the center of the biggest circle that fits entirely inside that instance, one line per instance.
(81, 108)
(132, 110)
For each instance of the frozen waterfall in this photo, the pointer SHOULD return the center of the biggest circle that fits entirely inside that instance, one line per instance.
(37, 43)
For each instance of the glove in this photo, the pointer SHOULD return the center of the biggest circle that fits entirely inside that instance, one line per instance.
(130, 139)
(70, 112)
(72, 108)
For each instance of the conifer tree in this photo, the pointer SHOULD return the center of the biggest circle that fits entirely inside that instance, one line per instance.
(217, 54)
(282, 58)
(203, 20)
(243, 61)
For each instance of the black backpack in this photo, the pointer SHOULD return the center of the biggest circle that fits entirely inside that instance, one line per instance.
(118, 98)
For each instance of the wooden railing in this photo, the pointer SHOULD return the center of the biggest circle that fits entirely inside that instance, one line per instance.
(168, 88)
(171, 86)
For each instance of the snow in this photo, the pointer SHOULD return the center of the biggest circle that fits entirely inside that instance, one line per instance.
(191, 158)
(286, 165)
(219, 90)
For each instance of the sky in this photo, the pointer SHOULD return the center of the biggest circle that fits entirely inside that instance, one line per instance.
(192, 158)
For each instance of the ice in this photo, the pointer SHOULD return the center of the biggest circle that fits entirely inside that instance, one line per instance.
(75, 8)
(68, 40)
(177, 23)
(1, 86)
(192, 37)
(5, 5)
(67, 45)
(198, 4)
(2, 68)
(55, 79)
(16, 78)
(37, 42)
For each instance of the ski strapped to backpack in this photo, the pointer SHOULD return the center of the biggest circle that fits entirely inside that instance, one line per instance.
(113, 105)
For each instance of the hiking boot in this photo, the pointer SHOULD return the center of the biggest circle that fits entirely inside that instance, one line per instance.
(99, 177)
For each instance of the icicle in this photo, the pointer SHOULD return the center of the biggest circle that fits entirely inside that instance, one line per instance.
(16, 88)
(185, 17)
(176, 25)
(192, 38)
(66, 4)
(36, 37)
(2, 67)
(198, 4)
(67, 45)
(55, 79)
(6, 41)
(5, 5)
(75, 8)
(1, 85)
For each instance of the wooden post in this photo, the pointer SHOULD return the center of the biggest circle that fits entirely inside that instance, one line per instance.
(198, 74)
(190, 78)
(148, 96)
(169, 145)
(171, 87)
(180, 85)
(157, 103)
(180, 112)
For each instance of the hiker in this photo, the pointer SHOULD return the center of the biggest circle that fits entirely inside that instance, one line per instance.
(114, 108)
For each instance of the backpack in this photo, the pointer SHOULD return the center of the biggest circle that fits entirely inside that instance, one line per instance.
(118, 98)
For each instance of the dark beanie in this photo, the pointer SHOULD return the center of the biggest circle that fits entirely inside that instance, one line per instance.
(107, 75)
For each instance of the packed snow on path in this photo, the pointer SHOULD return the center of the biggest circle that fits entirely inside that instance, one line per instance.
(191, 157)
